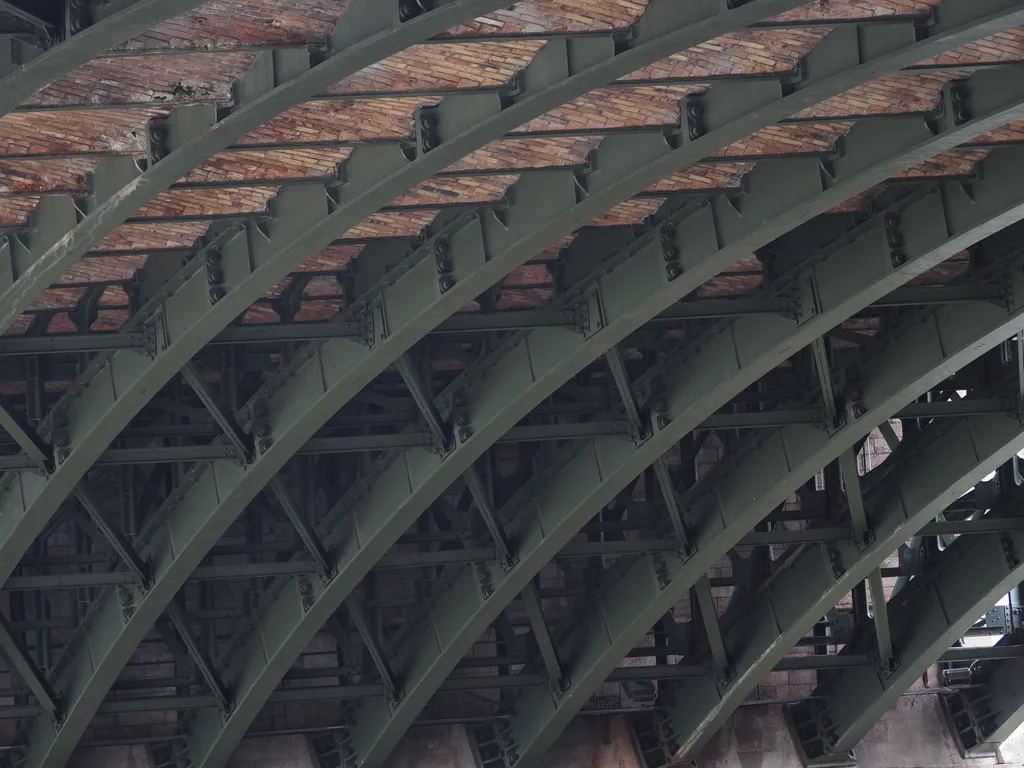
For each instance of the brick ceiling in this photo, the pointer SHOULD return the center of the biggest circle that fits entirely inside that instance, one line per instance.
(57, 136)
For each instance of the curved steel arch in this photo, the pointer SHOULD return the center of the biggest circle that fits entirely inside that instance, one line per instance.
(966, 580)
(248, 252)
(117, 386)
(508, 384)
(553, 509)
(367, 32)
(771, 467)
(768, 623)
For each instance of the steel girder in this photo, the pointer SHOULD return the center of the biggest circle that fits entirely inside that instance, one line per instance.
(467, 324)
(767, 622)
(367, 32)
(401, 325)
(470, 553)
(562, 70)
(497, 395)
(652, 584)
(965, 582)
(716, 366)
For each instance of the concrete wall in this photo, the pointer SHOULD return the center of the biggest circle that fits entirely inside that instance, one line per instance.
(912, 735)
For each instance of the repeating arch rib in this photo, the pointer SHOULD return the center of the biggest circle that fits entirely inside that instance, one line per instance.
(775, 463)
(552, 510)
(307, 218)
(966, 581)
(368, 31)
(768, 622)
(112, 23)
(514, 379)
(253, 258)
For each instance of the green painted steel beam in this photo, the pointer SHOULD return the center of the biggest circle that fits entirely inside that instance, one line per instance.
(502, 396)
(367, 32)
(464, 324)
(505, 380)
(398, 316)
(235, 255)
(770, 468)
(926, 617)
(26, 67)
(469, 555)
(764, 627)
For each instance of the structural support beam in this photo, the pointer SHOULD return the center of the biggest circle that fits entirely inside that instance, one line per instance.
(310, 540)
(373, 647)
(198, 656)
(712, 628)
(499, 397)
(626, 165)
(769, 622)
(988, 712)
(113, 537)
(469, 323)
(549, 654)
(770, 468)
(926, 617)
(883, 634)
(21, 664)
(37, 451)
(229, 427)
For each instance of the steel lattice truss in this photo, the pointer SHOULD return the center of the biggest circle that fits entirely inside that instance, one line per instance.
(383, 361)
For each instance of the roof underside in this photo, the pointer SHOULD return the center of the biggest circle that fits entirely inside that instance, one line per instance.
(347, 395)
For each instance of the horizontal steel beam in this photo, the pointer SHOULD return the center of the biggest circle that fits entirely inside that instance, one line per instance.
(674, 672)
(468, 554)
(524, 434)
(674, 318)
